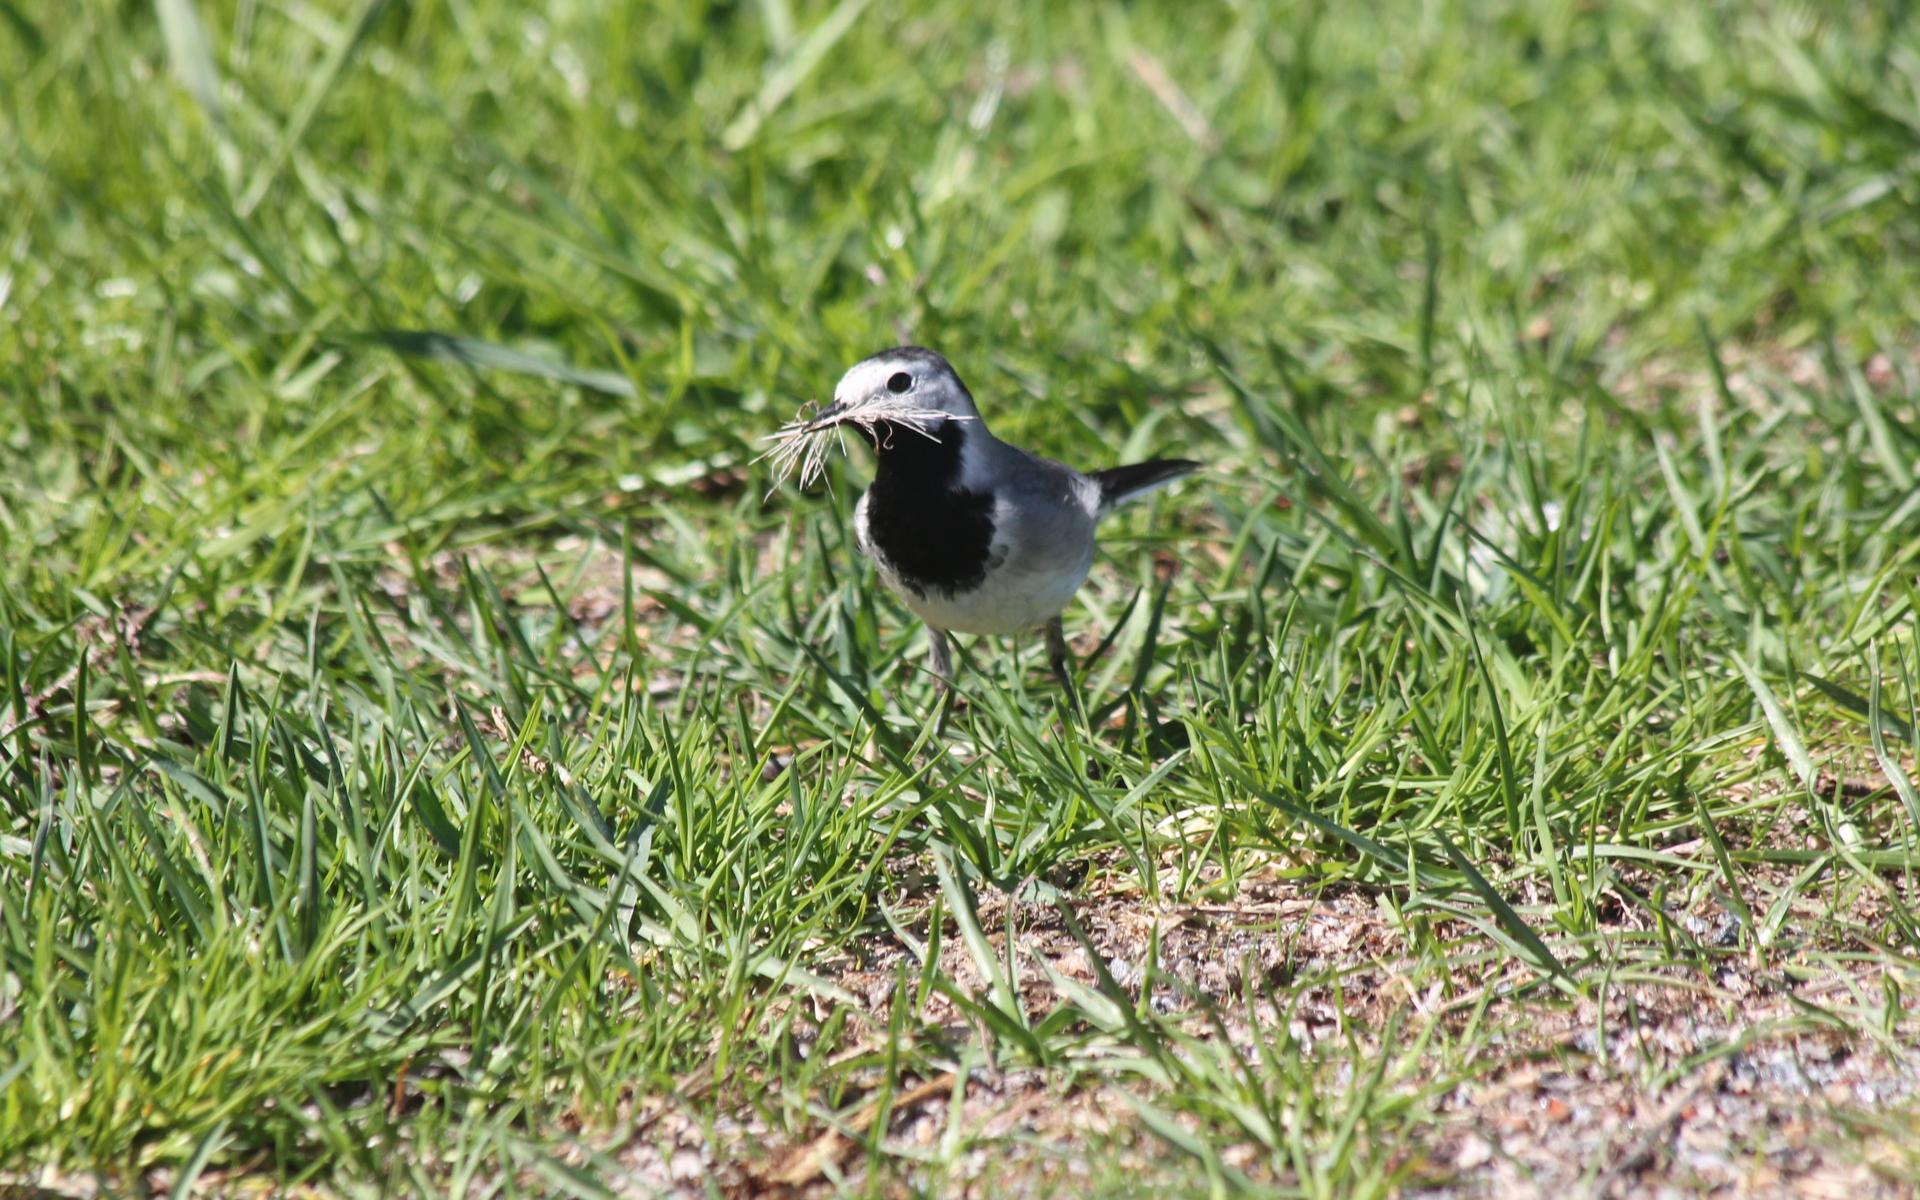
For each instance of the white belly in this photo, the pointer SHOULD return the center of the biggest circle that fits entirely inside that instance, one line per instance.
(1006, 601)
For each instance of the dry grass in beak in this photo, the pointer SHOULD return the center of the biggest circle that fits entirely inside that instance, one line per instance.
(803, 441)
(798, 443)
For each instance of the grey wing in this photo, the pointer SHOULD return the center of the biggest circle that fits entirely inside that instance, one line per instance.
(1045, 513)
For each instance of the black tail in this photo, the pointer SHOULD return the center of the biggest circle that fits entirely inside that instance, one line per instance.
(1121, 484)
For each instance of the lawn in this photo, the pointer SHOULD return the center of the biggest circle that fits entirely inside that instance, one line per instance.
(435, 758)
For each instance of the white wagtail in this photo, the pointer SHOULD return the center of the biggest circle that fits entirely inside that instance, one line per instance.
(974, 535)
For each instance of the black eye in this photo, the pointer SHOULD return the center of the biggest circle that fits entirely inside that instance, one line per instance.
(900, 382)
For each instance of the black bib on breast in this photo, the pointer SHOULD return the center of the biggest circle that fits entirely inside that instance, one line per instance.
(931, 532)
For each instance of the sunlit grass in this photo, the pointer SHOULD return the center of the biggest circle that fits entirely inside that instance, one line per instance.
(428, 754)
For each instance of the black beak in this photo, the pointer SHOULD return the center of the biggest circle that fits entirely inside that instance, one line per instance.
(828, 417)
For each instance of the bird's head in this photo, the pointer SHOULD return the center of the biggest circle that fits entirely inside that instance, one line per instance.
(903, 393)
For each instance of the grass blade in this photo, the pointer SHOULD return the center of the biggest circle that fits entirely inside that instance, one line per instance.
(489, 356)
(1509, 920)
(190, 55)
(791, 73)
(1784, 733)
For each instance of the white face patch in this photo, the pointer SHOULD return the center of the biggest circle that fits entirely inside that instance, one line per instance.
(911, 393)
(929, 384)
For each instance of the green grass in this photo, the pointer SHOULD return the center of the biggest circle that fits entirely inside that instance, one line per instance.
(396, 638)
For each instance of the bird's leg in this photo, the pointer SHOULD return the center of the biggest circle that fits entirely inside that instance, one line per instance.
(1057, 659)
(940, 658)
